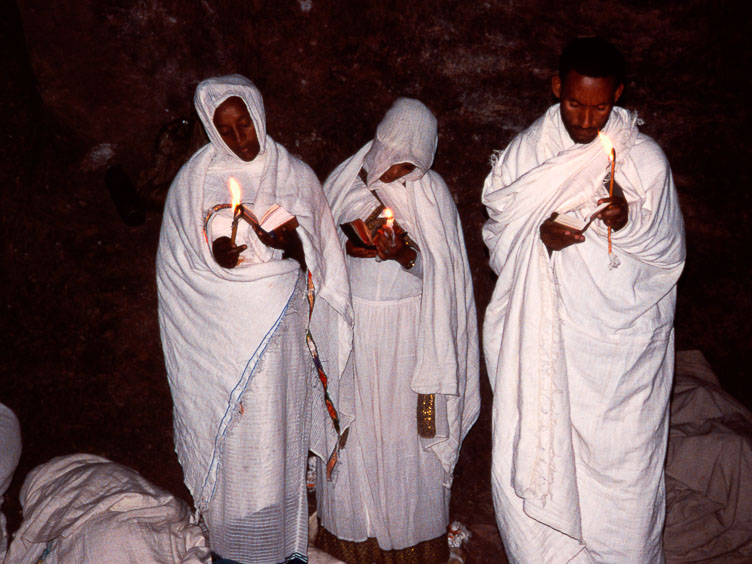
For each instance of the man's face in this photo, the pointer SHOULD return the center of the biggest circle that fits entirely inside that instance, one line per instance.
(235, 126)
(586, 103)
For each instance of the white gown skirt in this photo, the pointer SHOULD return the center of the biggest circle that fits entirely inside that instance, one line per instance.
(386, 485)
(259, 512)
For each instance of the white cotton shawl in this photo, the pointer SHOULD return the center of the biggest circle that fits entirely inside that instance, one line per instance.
(448, 353)
(216, 322)
(541, 172)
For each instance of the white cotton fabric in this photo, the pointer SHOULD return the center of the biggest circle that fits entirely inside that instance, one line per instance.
(217, 323)
(708, 470)
(10, 454)
(407, 134)
(263, 486)
(415, 332)
(580, 356)
(84, 508)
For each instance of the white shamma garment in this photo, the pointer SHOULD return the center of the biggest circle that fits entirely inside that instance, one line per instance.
(240, 372)
(581, 355)
(415, 332)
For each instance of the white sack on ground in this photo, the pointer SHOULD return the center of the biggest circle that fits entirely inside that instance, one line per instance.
(85, 508)
(10, 453)
(708, 470)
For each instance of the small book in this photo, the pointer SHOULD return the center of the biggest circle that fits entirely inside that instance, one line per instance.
(362, 231)
(574, 222)
(358, 233)
(274, 217)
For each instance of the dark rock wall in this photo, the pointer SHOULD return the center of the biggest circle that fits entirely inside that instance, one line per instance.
(93, 83)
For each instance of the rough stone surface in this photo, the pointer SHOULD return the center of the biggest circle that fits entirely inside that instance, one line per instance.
(94, 83)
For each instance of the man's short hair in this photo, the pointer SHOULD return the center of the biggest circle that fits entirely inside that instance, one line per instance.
(594, 57)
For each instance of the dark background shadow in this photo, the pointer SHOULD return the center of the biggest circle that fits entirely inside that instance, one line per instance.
(103, 83)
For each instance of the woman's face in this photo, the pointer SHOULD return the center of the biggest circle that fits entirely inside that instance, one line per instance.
(235, 126)
(396, 171)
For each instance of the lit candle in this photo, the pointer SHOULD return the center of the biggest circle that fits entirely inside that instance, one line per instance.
(611, 151)
(389, 218)
(236, 208)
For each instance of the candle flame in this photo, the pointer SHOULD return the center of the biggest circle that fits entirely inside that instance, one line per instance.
(607, 145)
(235, 191)
(388, 214)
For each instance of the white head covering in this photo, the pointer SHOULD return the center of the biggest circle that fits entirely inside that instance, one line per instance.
(213, 91)
(407, 134)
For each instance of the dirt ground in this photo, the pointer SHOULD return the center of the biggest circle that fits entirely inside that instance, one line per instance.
(82, 363)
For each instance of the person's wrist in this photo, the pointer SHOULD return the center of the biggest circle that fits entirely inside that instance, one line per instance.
(406, 257)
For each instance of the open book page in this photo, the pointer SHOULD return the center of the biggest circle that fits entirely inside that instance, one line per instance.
(219, 224)
(572, 221)
(274, 217)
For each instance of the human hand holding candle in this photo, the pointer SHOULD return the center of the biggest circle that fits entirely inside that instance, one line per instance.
(615, 216)
(236, 209)
(391, 247)
(389, 225)
(226, 252)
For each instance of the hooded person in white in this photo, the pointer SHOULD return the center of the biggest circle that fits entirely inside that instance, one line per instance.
(415, 333)
(234, 338)
(579, 353)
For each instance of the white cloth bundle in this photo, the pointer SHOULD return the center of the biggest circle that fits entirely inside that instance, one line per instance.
(447, 353)
(10, 453)
(215, 322)
(551, 321)
(85, 508)
(708, 470)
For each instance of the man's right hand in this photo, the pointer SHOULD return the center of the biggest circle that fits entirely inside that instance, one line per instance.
(557, 236)
(226, 253)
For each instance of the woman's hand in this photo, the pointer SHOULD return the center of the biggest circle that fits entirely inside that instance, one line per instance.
(226, 253)
(359, 252)
(285, 238)
(390, 245)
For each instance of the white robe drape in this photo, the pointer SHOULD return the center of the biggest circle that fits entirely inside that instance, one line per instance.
(580, 355)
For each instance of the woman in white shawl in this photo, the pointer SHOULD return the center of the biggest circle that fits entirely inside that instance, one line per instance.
(233, 319)
(415, 349)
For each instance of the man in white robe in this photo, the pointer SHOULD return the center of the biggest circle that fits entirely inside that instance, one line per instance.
(413, 391)
(578, 336)
(236, 328)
